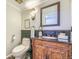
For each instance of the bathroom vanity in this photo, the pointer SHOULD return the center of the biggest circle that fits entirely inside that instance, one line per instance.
(50, 49)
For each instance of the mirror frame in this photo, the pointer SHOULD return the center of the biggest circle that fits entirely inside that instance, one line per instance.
(58, 14)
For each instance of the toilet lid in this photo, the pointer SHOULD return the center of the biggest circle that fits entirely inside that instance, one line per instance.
(19, 48)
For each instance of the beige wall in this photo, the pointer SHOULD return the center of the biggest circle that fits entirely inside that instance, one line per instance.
(65, 16)
(13, 26)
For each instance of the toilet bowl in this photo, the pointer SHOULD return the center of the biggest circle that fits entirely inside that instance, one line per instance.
(19, 51)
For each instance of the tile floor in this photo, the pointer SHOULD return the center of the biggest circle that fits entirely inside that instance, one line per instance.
(14, 58)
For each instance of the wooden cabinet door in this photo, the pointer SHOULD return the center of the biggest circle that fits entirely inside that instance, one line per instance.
(39, 52)
(57, 53)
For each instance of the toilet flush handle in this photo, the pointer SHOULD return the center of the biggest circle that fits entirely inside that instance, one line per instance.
(13, 38)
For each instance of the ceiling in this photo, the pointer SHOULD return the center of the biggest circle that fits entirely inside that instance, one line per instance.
(27, 3)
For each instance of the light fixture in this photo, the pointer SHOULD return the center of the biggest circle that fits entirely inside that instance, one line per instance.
(31, 4)
(19, 1)
(33, 13)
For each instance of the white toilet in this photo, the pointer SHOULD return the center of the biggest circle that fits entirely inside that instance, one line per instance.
(20, 51)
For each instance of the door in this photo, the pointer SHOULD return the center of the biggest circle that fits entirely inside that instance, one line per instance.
(39, 52)
(57, 53)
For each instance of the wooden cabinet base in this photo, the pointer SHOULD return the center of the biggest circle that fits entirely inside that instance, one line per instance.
(50, 50)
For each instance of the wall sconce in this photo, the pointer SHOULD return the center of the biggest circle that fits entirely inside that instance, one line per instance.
(33, 14)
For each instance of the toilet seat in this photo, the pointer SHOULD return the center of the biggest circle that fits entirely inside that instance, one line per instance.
(18, 49)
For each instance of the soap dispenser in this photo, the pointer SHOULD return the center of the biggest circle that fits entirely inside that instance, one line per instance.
(40, 32)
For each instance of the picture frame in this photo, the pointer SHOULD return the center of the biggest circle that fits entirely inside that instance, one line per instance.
(26, 23)
(50, 15)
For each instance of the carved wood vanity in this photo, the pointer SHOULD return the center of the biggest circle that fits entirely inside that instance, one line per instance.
(50, 49)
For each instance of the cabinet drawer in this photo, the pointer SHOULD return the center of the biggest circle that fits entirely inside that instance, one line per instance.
(51, 44)
(38, 42)
(56, 45)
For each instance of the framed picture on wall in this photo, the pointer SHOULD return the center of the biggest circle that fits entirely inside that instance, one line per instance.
(27, 23)
(50, 15)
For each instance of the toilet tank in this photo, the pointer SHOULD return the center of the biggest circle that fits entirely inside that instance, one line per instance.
(26, 41)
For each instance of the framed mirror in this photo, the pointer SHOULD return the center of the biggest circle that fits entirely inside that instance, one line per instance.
(50, 15)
